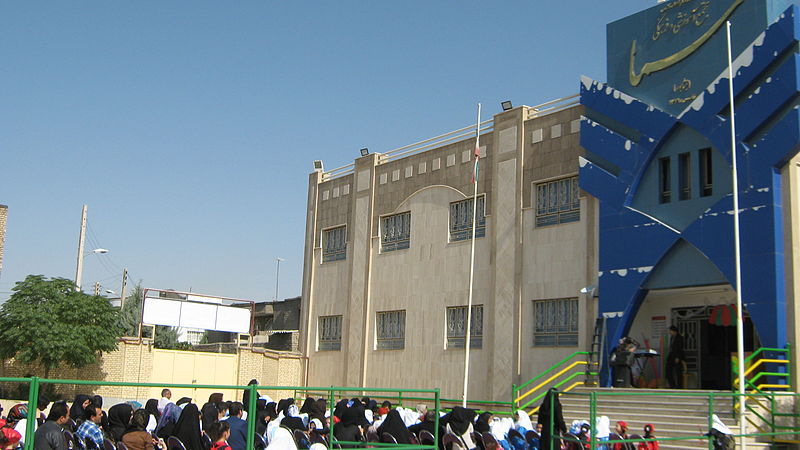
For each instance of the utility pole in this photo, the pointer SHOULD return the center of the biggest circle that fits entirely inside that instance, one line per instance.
(96, 288)
(277, 276)
(81, 239)
(122, 291)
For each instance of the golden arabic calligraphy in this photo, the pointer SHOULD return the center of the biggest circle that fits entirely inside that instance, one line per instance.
(665, 23)
(683, 86)
(663, 63)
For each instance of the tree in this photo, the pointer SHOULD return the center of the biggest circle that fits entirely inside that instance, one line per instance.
(48, 322)
(131, 316)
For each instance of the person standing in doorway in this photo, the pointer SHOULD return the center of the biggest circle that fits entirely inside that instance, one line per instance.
(675, 359)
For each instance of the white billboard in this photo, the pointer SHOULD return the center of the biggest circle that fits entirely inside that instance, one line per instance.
(207, 316)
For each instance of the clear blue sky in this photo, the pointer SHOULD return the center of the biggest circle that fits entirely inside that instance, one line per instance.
(190, 127)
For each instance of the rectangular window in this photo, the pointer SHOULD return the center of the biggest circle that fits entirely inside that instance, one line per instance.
(558, 202)
(664, 181)
(390, 330)
(685, 176)
(330, 333)
(334, 244)
(457, 327)
(706, 173)
(396, 232)
(461, 219)
(555, 322)
(194, 337)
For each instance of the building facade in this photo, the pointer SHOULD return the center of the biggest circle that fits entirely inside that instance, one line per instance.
(618, 207)
(659, 159)
(388, 258)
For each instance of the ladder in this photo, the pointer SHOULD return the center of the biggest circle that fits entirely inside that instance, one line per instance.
(596, 350)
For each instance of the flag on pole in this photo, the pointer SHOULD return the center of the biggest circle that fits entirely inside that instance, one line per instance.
(477, 160)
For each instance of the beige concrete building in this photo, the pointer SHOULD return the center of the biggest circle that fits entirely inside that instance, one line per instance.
(387, 259)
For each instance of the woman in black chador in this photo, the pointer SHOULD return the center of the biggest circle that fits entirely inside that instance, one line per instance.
(551, 408)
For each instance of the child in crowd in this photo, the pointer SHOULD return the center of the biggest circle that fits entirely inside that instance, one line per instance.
(219, 432)
(651, 443)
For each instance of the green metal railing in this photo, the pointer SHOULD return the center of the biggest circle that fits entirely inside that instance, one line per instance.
(399, 398)
(713, 402)
(34, 384)
(756, 360)
(541, 389)
(763, 406)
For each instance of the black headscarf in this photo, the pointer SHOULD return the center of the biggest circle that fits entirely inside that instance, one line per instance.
(317, 411)
(283, 405)
(183, 400)
(119, 417)
(394, 425)
(306, 408)
(152, 407)
(272, 410)
(340, 408)
(138, 421)
(76, 410)
(459, 419)
(188, 428)
(293, 423)
(210, 414)
(482, 424)
(246, 395)
(549, 405)
(347, 429)
(261, 415)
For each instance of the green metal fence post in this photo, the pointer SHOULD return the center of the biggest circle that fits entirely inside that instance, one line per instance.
(513, 397)
(550, 445)
(772, 412)
(592, 419)
(251, 416)
(438, 407)
(331, 418)
(33, 398)
(710, 420)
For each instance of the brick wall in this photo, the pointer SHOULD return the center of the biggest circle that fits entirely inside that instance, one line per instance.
(133, 362)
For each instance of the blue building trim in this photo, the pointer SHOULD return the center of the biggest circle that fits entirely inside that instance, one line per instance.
(634, 242)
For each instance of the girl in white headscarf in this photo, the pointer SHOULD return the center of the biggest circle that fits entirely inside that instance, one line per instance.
(281, 439)
(524, 422)
(721, 434)
(602, 431)
(499, 429)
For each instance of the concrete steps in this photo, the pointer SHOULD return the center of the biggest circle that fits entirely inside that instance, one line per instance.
(673, 416)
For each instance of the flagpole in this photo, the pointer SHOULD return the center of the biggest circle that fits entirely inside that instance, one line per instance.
(737, 254)
(472, 254)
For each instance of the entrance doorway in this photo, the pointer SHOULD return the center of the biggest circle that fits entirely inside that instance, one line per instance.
(710, 344)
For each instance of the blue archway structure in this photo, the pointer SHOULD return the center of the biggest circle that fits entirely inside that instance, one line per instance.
(624, 136)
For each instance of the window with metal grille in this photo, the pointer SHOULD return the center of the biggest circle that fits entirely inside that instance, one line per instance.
(706, 173)
(555, 322)
(334, 244)
(684, 176)
(558, 202)
(396, 232)
(390, 330)
(664, 181)
(457, 327)
(461, 219)
(330, 333)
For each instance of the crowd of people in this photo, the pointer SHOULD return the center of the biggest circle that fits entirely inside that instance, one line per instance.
(222, 425)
